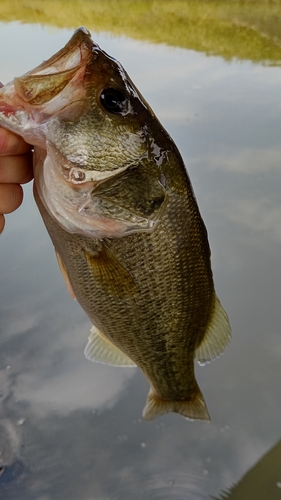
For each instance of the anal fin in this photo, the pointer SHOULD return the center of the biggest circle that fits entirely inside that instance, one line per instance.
(100, 349)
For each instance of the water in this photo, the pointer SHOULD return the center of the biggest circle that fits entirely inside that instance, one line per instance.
(73, 429)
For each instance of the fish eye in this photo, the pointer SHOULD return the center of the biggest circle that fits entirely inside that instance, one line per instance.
(113, 100)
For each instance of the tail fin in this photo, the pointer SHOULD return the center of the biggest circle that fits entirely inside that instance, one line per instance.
(194, 408)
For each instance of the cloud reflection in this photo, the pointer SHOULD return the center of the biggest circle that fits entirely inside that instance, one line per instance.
(65, 381)
(248, 161)
(260, 215)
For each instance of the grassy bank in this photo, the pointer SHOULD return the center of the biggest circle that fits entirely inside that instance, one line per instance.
(249, 29)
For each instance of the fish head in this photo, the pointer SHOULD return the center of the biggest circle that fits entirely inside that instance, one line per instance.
(90, 124)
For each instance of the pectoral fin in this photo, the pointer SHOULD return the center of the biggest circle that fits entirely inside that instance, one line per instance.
(109, 273)
(217, 336)
(65, 275)
(100, 349)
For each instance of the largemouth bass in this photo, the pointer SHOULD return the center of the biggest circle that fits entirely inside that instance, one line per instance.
(117, 202)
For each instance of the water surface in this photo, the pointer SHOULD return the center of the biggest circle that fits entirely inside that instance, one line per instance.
(73, 429)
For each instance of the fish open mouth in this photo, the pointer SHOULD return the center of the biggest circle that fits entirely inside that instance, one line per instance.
(42, 84)
(50, 88)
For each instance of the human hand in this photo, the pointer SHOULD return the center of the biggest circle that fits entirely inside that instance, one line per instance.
(15, 169)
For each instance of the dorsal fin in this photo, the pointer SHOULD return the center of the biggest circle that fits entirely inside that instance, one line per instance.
(217, 336)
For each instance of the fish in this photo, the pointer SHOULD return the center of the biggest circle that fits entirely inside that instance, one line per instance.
(119, 207)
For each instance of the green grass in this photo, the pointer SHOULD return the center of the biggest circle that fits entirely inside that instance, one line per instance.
(249, 29)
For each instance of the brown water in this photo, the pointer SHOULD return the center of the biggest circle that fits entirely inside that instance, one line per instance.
(72, 429)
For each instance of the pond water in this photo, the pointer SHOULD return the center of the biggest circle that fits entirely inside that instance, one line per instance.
(72, 429)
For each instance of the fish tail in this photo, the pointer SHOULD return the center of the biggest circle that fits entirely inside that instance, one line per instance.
(194, 408)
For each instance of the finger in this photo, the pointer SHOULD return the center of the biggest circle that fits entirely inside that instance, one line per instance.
(11, 196)
(12, 144)
(16, 169)
(2, 223)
